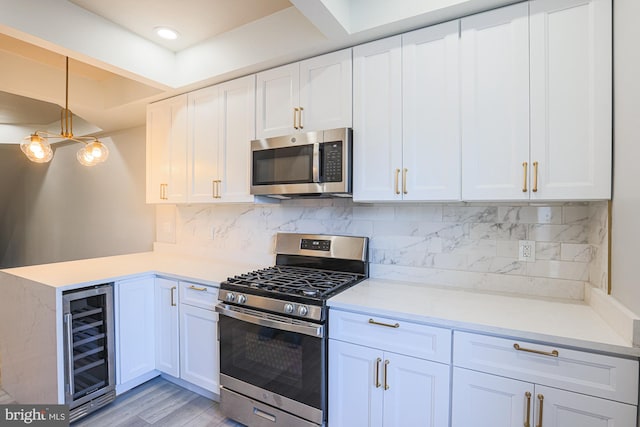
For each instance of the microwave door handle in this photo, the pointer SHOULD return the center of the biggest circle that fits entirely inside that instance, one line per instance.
(317, 162)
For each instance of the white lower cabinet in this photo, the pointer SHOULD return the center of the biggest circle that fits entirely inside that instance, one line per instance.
(134, 314)
(186, 332)
(376, 386)
(481, 399)
(199, 363)
(166, 327)
(500, 382)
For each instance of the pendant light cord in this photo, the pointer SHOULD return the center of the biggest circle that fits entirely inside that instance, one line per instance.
(66, 119)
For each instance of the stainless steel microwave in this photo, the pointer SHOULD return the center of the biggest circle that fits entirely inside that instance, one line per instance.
(312, 164)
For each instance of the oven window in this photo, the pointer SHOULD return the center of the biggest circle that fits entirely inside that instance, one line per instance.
(290, 165)
(287, 363)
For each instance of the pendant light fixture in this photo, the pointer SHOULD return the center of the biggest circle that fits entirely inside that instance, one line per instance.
(38, 150)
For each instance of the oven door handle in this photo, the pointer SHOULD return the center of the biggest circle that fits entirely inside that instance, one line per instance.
(314, 331)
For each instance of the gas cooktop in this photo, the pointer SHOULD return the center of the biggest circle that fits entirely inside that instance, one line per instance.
(303, 281)
(309, 270)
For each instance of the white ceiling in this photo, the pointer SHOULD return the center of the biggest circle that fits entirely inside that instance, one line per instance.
(118, 65)
(194, 20)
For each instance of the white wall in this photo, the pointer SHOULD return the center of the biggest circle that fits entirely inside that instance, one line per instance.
(63, 211)
(625, 249)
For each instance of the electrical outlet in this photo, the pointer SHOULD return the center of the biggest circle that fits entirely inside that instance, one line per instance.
(527, 250)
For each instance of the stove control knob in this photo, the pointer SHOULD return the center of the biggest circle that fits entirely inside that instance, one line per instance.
(288, 308)
(303, 310)
(242, 299)
(231, 297)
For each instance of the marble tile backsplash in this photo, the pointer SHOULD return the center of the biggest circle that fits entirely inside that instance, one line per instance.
(465, 245)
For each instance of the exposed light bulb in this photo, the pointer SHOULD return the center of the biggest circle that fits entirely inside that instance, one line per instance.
(37, 149)
(98, 151)
(85, 158)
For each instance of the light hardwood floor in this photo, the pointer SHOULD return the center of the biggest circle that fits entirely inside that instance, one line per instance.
(154, 403)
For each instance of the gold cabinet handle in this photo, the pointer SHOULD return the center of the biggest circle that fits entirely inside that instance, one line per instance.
(378, 360)
(535, 177)
(295, 118)
(553, 353)
(163, 191)
(540, 402)
(396, 181)
(388, 325)
(404, 180)
(524, 184)
(527, 420)
(386, 384)
(173, 301)
(216, 188)
(196, 288)
(300, 118)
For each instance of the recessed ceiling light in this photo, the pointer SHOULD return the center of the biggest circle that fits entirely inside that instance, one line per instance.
(166, 33)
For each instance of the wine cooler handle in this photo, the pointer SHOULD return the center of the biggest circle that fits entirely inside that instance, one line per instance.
(68, 324)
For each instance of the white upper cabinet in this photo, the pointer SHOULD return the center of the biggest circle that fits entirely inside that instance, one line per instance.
(407, 117)
(571, 98)
(495, 104)
(167, 151)
(221, 127)
(237, 128)
(204, 143)
(431, 113)
(314, 94)
(198, 145)
(377, 121)
(536, 102)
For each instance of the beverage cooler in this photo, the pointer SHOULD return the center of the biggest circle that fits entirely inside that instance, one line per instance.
(88, 349)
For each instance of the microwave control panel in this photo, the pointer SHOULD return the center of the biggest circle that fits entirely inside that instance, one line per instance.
(332, 162)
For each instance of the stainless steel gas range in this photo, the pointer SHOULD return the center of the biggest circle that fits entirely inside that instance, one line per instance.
(273, 330)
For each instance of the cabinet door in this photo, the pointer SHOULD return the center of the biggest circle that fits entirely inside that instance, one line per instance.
(204, 144)
(431, 113)
(276, 98)
(377, 120)
(417, 392)
(199, 360)
(571, 98)
(166, 328)
(495, 104)
(237, 129)
(326, 91)
(355, 397)
(560, 408)
(167, 151)
(484, 400)
(135, 319)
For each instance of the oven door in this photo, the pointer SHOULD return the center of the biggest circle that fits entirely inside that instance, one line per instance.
(274, 359)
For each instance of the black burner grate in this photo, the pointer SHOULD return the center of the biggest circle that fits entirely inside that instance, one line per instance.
(307, 282)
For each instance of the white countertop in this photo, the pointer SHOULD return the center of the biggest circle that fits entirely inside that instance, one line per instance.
(72, 274)
(557, 322)
(563, 323)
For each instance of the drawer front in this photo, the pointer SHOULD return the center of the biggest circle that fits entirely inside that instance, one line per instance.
(203, 296)
(411, 339)
(583, 372)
